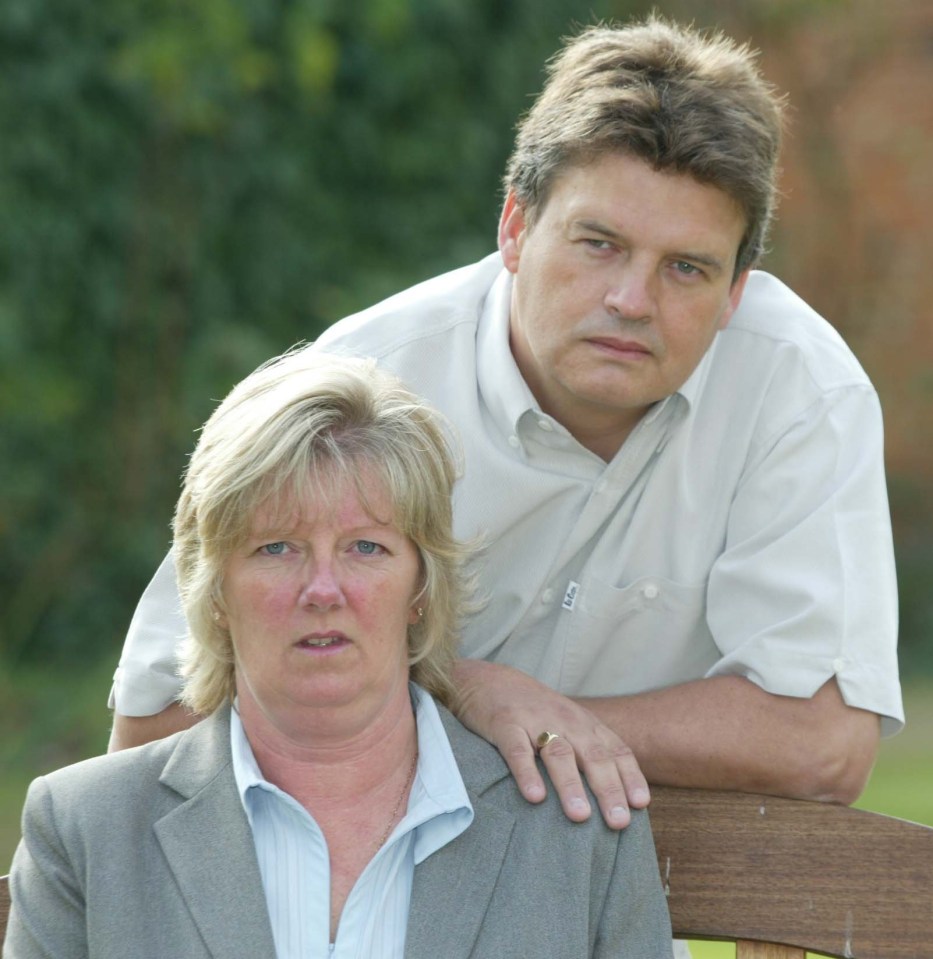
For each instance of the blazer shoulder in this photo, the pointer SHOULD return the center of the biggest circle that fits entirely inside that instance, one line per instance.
(104, 789)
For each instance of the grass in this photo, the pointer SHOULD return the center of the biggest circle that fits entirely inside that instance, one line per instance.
(50, 729)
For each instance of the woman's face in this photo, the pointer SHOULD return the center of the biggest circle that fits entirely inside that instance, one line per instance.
(319, 600)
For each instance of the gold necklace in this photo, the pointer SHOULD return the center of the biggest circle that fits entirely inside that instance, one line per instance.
(398, 805)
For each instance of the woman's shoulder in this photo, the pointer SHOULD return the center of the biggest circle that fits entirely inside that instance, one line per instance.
(103, 786)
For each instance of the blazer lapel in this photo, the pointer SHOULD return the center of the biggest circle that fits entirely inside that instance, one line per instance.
(452, 888)
(209, 847)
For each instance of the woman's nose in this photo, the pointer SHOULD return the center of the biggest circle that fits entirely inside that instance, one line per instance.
(322, 589)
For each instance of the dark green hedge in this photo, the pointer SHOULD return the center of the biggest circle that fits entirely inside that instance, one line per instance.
(186, 189)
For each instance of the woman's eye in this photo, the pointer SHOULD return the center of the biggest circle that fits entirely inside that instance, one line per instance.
(367, 547)
(273, 549)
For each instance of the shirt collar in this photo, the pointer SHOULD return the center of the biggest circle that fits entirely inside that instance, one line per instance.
(246, 771)
(501, 387)
(693, 386)
(438, 808)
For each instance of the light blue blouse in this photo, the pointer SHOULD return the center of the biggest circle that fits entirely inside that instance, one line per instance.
(294, 860)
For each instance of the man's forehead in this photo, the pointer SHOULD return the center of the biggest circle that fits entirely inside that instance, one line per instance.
(612, 158)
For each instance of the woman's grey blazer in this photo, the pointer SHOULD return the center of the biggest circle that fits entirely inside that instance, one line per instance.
(147, 853)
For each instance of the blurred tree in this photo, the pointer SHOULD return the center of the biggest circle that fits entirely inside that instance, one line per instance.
(190, 188)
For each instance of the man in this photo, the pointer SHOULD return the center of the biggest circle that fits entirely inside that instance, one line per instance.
(687, 557)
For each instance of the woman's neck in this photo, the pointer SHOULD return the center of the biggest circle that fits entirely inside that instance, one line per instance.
(327, 759)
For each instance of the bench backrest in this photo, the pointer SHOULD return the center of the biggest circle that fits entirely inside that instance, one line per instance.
(780, 876)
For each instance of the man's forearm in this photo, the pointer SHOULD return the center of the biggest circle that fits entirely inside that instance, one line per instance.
(727, 733)
(135, 730)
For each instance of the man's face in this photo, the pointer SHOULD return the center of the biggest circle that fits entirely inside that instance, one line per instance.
(621, 283)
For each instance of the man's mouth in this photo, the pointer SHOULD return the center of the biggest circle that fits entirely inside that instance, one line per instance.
(620, 346)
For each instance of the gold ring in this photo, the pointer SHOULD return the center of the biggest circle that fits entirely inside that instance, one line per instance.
(544, 739)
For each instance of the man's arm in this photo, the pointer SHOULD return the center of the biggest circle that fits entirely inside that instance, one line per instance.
(135, 730)
(727, 733)
(723, 732)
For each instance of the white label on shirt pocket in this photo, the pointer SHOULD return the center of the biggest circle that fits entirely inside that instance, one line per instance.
(570, 597)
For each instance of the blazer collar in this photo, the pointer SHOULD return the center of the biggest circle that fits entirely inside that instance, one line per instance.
(458, 880)
(220, 880)
(208, 845)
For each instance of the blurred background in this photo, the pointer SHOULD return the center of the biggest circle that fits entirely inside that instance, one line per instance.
(189, 188)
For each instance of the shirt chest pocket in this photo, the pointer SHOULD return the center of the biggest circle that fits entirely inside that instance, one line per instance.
(650, 633)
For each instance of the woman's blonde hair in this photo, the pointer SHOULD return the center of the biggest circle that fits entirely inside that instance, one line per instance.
(294, 431)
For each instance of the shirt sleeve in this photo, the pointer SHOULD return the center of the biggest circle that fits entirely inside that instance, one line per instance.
(805, 589)
(146, 680)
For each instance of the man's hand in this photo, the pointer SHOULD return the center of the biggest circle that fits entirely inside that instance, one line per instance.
(511, 709)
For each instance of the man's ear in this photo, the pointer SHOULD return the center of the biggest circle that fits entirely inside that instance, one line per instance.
(512, 228)
(735, 297)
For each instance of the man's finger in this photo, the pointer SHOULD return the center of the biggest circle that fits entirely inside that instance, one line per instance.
(636, 786)
(519, 754)
(561, 763)
(610, 772)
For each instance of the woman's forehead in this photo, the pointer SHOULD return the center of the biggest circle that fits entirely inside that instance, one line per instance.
(360, 498)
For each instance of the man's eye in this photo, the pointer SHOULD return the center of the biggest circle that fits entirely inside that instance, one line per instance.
(687, 269)
(273, 549)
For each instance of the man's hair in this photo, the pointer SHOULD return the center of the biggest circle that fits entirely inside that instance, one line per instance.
(294, 432)
(682, 101)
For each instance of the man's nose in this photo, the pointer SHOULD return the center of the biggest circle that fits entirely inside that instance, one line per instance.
(631, 295)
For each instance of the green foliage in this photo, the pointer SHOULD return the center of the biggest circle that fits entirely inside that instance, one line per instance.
(187, 190)
(190, 188)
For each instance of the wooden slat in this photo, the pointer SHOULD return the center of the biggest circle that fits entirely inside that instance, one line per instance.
(4, 905)
(842, 882)
(745, 949)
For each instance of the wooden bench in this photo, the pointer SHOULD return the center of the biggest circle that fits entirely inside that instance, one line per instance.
(4, 905)
(778, 876)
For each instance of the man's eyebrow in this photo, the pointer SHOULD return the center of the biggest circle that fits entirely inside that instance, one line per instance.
(713, 263)
(594, 226)
(703, 259)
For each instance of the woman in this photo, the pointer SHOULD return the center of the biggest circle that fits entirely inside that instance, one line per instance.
(328, 805)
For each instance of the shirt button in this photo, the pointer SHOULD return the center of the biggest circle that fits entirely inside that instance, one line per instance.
(545, 425)
(650, 591)
(601, 486)
(547, 595)
(839, 664)
(514, 442)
